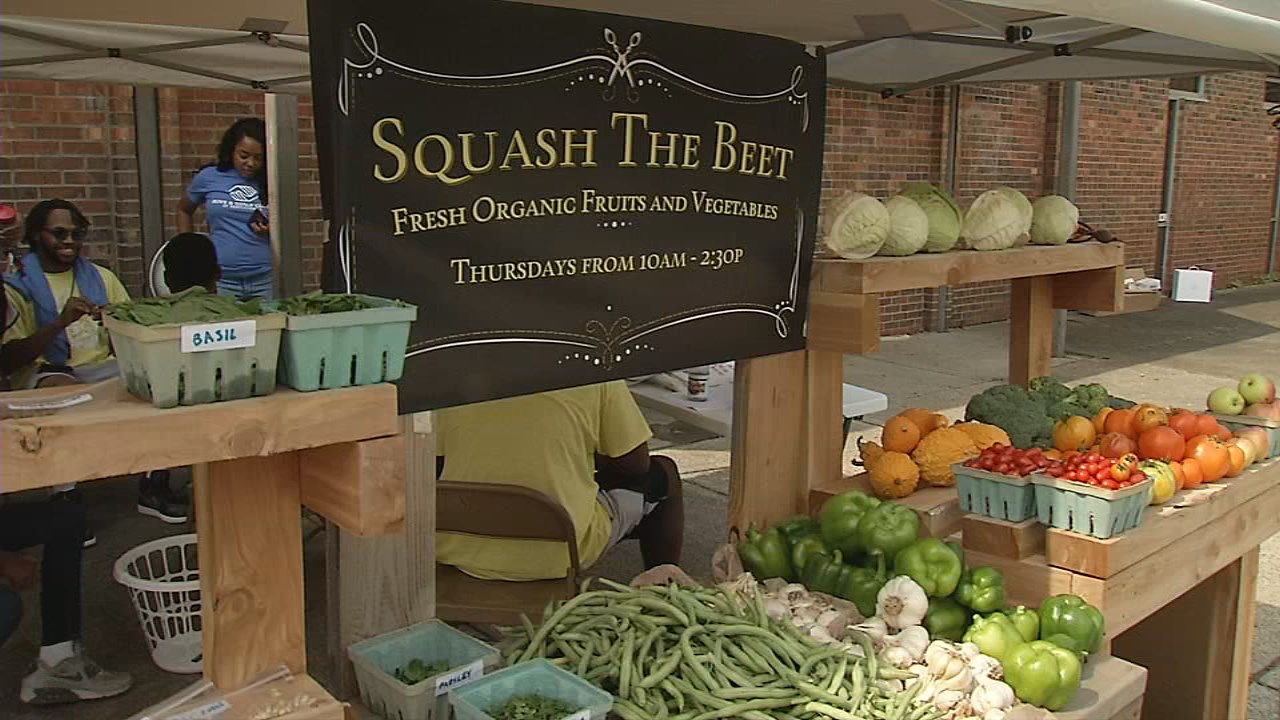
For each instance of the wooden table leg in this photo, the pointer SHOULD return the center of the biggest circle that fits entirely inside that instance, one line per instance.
(250, 545)
(824, 423)
(1241, 635)
(1030, 329)
(767, 466)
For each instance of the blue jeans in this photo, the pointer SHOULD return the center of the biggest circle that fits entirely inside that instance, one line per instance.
(261, 286)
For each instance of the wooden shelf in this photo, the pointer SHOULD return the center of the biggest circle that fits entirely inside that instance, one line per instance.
(890, 274)
(117, 434)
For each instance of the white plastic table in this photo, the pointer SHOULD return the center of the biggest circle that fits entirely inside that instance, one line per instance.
(715, 414)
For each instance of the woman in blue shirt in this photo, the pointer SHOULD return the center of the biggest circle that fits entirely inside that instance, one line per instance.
(233, 192)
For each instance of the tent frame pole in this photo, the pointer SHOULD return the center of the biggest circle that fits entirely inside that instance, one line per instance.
(282, 169)
(146, 132)
(1068, 174)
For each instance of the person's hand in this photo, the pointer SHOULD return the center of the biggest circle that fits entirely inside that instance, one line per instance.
(21, 570)
(260, 228)
(76, 308)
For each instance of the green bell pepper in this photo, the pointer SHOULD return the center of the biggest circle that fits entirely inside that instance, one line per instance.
(1066, 642)
(825, 573)
(1042, 674)
(981, 589)
(888, 528)
(994, 635)
(932, 564)
(797, 527)
(840, 518)
(766, 554)
(1072, 616)
(863, 585)
(958, 549)
(1027, 621)
(806, 547)
(945, 619)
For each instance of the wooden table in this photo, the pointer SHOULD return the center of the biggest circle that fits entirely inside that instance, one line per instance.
(788, 430)
(256, 463)
(1179, 592)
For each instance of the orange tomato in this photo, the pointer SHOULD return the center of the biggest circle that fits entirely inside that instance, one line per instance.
(1192, 472)
(1114, 445)
(1212, 455)
(1205, 425)
(1099, 420)
(1053, 454)
(1161, 443)
(1147, 417)
(1179, 475)
(1186, 424)
(1239, 461)
(1074, 433)
(1120, 421)
(1222, 433)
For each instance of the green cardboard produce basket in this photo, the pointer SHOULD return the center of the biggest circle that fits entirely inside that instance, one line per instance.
(359, 347)
(536, 677)
(1003, 497)
(155, 368)
(1090, 510)
(377, 659)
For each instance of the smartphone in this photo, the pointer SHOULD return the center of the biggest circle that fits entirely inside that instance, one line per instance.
(260, 217)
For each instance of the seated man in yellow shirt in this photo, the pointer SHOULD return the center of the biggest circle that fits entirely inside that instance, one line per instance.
(58, 296)
(585, 447)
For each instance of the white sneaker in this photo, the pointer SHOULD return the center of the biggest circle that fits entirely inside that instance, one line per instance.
(74, 679)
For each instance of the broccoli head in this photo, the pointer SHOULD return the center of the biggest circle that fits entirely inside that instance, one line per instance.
(1015, 410)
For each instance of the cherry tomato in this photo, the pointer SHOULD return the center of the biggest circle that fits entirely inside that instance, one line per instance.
(1111, 484)
(1137, 476)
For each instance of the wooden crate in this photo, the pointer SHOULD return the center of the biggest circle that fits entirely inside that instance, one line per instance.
(1163, 525)
(937, 508)
(1003, 538)
(1110, 689)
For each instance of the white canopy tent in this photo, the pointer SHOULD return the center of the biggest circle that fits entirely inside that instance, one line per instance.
(892, 46)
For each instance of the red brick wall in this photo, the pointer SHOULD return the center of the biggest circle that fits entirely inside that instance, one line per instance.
(76, 141)
(1225, 180)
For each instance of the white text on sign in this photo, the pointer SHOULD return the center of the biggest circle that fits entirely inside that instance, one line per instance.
(458, 678)
(219, 336)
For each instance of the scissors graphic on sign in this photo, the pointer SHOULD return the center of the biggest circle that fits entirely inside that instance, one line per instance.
(622, 65)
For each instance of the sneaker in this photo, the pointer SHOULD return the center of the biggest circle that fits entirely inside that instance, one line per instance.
(74, 679)
(163, 506)
(89, 538)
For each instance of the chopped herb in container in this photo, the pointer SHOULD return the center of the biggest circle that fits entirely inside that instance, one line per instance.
(195, 305)
(531, 707)
(318, 303)
(417, 671)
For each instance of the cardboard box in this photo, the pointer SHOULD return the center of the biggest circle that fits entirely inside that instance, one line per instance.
(1134, 301)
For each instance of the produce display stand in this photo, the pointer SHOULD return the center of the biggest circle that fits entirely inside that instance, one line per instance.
(257, 462)
(788, 434)
(1178, 592)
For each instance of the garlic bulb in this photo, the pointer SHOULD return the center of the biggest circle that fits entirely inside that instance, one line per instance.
(902, 603)
(914, 639)
(993, 714)
(874, 628)
(985, 666)
(897, 656)
(991, 695)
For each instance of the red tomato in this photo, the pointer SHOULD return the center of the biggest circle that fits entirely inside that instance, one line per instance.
(1137, 476)
(1111, 484)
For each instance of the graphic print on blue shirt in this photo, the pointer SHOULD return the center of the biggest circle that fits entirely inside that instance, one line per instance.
(230, 200)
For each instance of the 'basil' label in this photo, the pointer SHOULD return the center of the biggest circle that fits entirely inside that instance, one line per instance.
(457, 678)
(219, 336)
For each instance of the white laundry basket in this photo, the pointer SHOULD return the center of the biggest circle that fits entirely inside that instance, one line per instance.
(163, 579)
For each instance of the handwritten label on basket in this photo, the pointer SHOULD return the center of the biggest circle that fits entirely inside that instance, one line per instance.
(212, 710)
(219, 336)
(457, 678)
(580, 715)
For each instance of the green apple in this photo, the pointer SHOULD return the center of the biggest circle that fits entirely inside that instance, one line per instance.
(1257, 388)
(1226, 401)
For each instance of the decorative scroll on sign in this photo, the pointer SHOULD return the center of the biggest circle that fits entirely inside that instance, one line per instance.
(569, 197)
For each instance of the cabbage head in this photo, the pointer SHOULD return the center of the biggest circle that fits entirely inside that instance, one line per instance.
(943, 212)
(998, 219)
(1053, 220)
(908, 227)
(856, 226)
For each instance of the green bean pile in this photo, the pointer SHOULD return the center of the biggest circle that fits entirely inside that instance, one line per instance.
(707, 653)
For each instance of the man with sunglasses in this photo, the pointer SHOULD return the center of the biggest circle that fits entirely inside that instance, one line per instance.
(57, 337)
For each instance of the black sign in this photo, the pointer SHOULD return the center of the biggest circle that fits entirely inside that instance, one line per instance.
(568, 197)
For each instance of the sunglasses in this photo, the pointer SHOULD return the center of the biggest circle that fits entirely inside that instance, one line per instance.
(61, 233)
